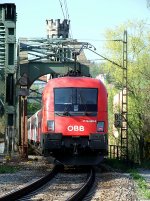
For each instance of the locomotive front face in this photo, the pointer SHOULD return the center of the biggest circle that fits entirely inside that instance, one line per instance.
(76, 119)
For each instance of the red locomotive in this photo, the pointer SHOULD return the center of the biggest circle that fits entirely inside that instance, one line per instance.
(72, 124)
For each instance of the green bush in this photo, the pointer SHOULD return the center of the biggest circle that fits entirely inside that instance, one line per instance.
(8, 169)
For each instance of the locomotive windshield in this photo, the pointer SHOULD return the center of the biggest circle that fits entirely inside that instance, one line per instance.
(73, 101)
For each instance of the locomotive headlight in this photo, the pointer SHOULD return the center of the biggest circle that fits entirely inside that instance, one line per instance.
(100, 126)
(50, 125)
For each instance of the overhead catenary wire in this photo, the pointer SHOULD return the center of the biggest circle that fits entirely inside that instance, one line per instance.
(66, 9)
(61, 5)
(68, 17)
(65, 12)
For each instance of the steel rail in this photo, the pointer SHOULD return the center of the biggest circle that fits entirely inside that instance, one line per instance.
(19, 193)
(82, 192)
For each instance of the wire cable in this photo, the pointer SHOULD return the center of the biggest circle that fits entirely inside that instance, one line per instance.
(66, 9)
(62, 8)
(68, 17)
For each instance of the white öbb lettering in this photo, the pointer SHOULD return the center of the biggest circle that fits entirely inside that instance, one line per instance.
(75, 128)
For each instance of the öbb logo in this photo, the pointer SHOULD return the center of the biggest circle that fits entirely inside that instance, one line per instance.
(75, 128)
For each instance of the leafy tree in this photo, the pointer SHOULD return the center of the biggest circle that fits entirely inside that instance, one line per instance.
(96, 69)
(34, 104)
(138, 79)
(33, 107)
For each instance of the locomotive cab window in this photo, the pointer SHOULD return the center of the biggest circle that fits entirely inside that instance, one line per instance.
(76, 101)
(63, 96)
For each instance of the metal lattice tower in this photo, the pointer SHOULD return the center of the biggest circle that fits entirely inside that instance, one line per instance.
(124, 127)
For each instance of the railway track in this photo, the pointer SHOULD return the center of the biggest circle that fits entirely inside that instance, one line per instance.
(56, 178)
(83, 191)
(67, 183)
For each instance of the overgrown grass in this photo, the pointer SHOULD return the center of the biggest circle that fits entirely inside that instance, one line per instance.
(142, 186)
(8, 169)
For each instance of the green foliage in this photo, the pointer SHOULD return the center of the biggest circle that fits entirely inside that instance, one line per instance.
(141, 183)
(138, 80)
(33, 107)
(2, 126)
(8, 169)
(34, 104)
(96, 69)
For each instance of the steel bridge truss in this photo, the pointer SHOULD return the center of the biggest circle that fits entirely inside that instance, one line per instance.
(57, 57)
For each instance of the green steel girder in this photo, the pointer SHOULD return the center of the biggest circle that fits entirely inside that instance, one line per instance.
(40, 56)
(37, 69)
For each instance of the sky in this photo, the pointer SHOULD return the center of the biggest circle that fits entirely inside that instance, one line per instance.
(89, 18)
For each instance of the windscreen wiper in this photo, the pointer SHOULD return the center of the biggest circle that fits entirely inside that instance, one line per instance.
(66, 110)
(58, 114)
